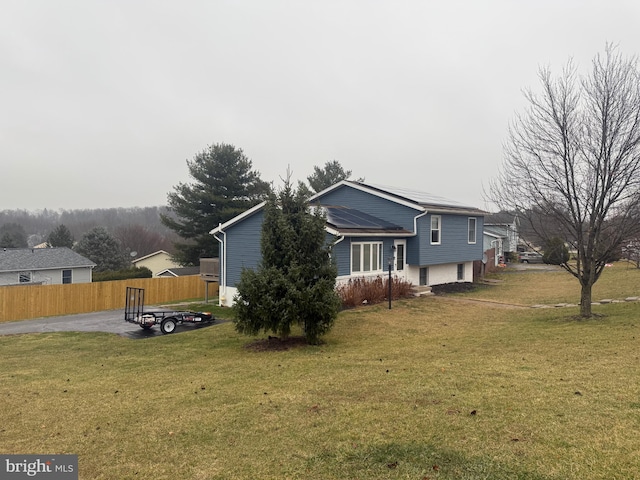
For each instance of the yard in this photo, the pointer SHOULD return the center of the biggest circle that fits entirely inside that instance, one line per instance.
(436, 388)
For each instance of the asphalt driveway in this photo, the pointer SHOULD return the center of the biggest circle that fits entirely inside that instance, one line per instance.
(111, 321)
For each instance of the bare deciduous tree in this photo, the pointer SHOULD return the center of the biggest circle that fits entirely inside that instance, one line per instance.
(142, 241)
(572, 163)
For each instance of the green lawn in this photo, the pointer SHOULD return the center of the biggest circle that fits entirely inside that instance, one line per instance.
(435, 388)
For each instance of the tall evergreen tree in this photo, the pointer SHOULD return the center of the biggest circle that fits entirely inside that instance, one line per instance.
(224, 185)
(101, 247)
(60, 237)
(295, 281)
(330, 174)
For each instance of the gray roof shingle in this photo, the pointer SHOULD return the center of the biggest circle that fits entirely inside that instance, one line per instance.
(19, 259)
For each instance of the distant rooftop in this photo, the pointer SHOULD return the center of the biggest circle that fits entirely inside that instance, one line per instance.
(13, 259)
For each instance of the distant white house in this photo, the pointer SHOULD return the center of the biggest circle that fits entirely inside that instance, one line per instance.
(158, 262)
(43, 266)
(501, 232)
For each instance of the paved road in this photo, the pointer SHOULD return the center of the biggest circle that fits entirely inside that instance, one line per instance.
(111, 321)
(534, 267)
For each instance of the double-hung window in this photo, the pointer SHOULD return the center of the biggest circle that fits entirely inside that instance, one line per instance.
(66, 276)
(472, 230)
(366, 257)
(436, 227)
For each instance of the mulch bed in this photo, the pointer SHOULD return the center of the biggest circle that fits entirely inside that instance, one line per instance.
(276, 344)
(452, 288)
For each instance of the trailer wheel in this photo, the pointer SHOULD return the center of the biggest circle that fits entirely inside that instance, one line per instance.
(168, 325)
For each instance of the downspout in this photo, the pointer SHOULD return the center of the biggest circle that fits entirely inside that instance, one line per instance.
(223, 271)
(415, 225)
(415, 222)
(341, 238)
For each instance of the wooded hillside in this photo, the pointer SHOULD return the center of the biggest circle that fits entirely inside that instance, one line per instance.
(138, 228)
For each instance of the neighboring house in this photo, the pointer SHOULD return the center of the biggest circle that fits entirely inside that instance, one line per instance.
(501, 231)
(423, 239)
(157, 262)
(178, 272)
(44, 266)
(493, 246)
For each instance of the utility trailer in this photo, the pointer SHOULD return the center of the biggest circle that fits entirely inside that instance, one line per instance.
(134, 312)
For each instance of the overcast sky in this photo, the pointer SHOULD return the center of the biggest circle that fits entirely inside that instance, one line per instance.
(102, 102)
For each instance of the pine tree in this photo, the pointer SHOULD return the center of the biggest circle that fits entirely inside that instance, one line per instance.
(101, 247)
(60, 237)
(295, 281)
(329, 175)
(224, 185)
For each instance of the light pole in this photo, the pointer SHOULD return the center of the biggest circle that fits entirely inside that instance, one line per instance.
(390, 264)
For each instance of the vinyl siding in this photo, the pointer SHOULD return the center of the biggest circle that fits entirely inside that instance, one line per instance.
(243, 238)
(157, 263)
(243, 246)
(372, 205)
(47, 277)
(342, 257)
(454, 245)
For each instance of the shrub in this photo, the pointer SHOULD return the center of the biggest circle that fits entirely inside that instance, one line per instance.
(124, 274)
(555, 252)
(361, 290)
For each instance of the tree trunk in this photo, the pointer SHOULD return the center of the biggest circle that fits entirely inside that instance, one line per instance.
(585, 300)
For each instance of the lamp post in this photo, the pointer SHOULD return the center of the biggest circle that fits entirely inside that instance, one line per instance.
(390, 264)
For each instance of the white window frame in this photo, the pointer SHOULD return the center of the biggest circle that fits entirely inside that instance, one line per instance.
(374, 259)
(473, 230)
(400, 250)
(438, 229)
(68, 276)
(25, 277)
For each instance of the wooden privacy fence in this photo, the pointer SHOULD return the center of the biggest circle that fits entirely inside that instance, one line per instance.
(34, 301)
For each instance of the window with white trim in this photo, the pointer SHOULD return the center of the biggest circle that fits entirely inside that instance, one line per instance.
(66, 276)
(436, 226)
(400, 257)
(25, 277)
(472, 230)
(366, 257)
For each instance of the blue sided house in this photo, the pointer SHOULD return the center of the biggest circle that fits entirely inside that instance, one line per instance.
(423, 239)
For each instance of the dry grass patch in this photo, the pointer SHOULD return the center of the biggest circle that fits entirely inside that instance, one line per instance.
(539, 286)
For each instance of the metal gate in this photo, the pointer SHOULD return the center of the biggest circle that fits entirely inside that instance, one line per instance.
(134, 304)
